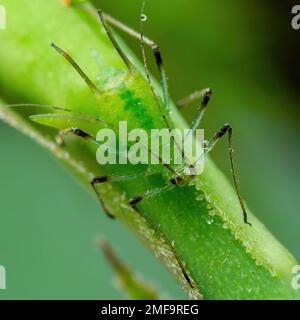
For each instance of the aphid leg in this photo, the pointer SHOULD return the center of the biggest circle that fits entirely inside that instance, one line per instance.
(75, 131)
(114, 41)
(205, 97)
(137, 199)
(77, 68)
(211, 143)
(102, 179)
(34, 105)
(97, 180)
(157, 229)
(184, 102)
(152, 225)
(70, 113)
(82, 134)
(104, 207)
(164, 110)
(158, 59)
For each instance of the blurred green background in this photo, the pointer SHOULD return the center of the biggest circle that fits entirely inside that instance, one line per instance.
(248, 53)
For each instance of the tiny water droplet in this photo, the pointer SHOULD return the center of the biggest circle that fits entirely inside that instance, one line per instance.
(209, 220)
(143, 17)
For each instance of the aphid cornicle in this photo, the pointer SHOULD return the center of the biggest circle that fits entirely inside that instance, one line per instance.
(122, 85)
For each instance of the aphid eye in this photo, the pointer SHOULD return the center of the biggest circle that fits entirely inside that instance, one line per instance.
(143, 17)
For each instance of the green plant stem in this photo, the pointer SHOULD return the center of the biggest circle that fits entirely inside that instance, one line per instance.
(225, 258)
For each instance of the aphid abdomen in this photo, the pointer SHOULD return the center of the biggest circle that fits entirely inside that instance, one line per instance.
(128, 98)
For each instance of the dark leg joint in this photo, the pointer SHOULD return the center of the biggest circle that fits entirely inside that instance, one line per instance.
(156, 49)
(226, 128)
(206, 96)
(133, 202)
(157, 54)
(81, 133)
(76, 131)
(173, 181)
(99, 179)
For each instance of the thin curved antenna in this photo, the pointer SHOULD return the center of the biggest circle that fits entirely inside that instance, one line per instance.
(77, 68)
(81, 114)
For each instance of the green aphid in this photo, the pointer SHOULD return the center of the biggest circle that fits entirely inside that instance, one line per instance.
(131, 96)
